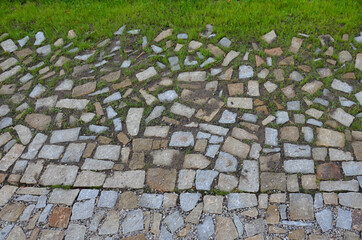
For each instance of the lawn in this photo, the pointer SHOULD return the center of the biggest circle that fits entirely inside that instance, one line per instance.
(242, 20)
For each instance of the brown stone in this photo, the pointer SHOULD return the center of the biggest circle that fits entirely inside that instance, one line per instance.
(142, 144)
(113, 76)
(274, 51)
(11, 212)
(289, 91)
(123, 84)
(34, 234)
(99, 109)
(357, 149)
(48, 234)
(137, 237)
(286, 61)
(127, 200)
(327, 171)
(301, 206)
(349, 76)
(123, 138)
(161, 179)
(228, 73)
(258, 60)
(271, 163)
(262, 109)
(273, 181)
(23, 53)
(330, 138)
(225, 229)
(137, 161)
(279, 75)
(235, 89)
(305, 68)
(289, 133)
(357, 220)
(209, 110)
(89, 150)
(309, 182)
(104, 140)
(330, 198)
(296, 234)
(38, 121)
(272, 214)
(214, 50)
(184, 231)
(60, 217)
(84, 89)
(2, 176)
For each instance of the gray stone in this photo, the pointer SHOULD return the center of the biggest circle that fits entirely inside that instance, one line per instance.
(66, 135)
(351, 199)
(45, 213)
(245, 72)
(204, 179)
(156, 112)
(249, 177)
(352, 168)
(225, 42)
(174, 221)
(126, 179)
(269, 37)
(341, 116)
(97, 165)
(344, 219)
(5, 231)
(61, 196)
(182, 110)
(133, 221)
(146, 74)
(51, 151)
(152, 201)
(318, 201)
(39, 38)
(83, 210)
(188, 201)
(301, 206)
(214, 129)
(156, 49)
(78, 104)
(239, 225)
(113, 97)
(133, 120)
(241, 200)
(250, 117)
(74, 152)
(227, 117)
(87, 194)
(164, 234)
(182, 139)
(37, 91)
(255, 227)
(9, 45)
(299, 166)
(75, 232)
(296, 76)
(345, 102)
(271, 136)
(308, 134)
(339, 155)
(109, 152)
(44, 50)
(206, 229)
(341, 86)
(107, 199)
(58, 175)
(226, 163)
(97, 128)
(111, 224)
(164, 157)
(7, 74)
(35, 145)
(293, 150)
(212, 150)
(167, 96)
(6, 122)
(282, 117)
(325, 219)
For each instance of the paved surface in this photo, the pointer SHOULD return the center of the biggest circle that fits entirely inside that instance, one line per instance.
(174, 137)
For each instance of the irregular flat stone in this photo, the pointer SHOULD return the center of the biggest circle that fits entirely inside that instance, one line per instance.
(325, 219)
(332, 186)
(152, 201)
(6, 192)
(182, 110)
(198, 76)
(188, 201)
(133, 120)
(146, 74)
(269, 37)
(164, 157)
(341, 116)
(206, 229)
(245, 72)
(293, 150)
(174, 221)
(330, 138)
(204, 179)
(299, 166)
(58, 175)
(301, 206)
(350, 199)
(161, 179)
(238, 102)
(90, 179)
(341, 86)
(61, 196)
(230, 57)
(128, 179)
(83, 210)
(66, 135)
(38, 121)
(7, 74)
(236, 147)
(78, 104)
(226, 163)
(9, 159)
(249, 177)
(109, 152)
(182, 139)
(352, 168)
(35, 146)
(255, 227)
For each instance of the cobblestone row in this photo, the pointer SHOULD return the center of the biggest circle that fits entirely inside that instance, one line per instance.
(173, 137)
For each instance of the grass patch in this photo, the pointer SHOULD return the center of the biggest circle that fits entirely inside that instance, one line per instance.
(244, 20)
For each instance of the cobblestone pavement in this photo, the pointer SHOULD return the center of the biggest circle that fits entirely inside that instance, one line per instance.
(174, 137)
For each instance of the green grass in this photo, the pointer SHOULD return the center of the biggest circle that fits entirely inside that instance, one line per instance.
(244, 20)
